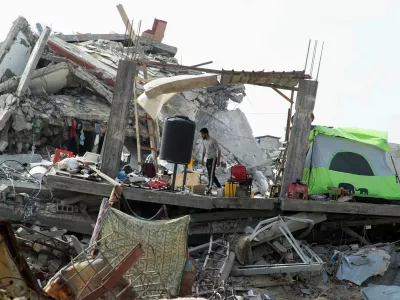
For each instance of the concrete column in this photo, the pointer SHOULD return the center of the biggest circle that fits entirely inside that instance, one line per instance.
(114, 140)
(299, 134)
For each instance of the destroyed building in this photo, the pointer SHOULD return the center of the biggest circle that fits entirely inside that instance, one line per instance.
(74, 80)
(154, 243)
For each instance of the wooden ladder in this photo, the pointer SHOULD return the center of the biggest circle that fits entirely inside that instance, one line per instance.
(279, 168)
(152, 134)
(153, 131)
(277, 178)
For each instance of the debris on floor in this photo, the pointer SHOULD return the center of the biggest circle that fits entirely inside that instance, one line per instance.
(361, 265)
(46, 250)
(383, 292)
(72, 232)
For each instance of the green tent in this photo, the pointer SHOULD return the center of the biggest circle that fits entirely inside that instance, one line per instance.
(350, 158)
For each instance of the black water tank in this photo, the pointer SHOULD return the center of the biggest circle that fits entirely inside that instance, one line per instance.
(177, 140)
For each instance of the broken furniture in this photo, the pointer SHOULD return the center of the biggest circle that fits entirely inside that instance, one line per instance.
(310, 261)
(209, 276)
(91, 274)
(271, 229)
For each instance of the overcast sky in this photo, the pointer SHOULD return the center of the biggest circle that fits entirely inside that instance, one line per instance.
(360, 65)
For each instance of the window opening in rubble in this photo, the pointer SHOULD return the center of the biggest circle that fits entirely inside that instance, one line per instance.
(352, 163)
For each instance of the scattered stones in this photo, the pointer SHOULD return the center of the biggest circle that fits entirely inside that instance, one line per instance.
(11, 100)
(19, 121)
(190, 95)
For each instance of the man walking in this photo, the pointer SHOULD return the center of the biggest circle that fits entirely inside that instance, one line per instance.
(212, 151)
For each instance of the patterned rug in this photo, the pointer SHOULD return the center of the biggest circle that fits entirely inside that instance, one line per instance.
(164, 243)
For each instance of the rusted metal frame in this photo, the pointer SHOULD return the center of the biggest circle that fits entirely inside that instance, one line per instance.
(112, 278)
(283, 95)
(293, 74)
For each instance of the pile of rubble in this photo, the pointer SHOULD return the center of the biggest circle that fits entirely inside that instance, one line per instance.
(73, 82)
(62, 88)
(47, 250)
(283, 267)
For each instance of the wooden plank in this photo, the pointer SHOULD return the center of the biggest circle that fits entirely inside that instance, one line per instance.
(33, 61)
(299, 134)
(123, 95)
(351, 208)
(138, 140)
(104, 176)
(283, 95)
(127, 23)
(147, 148)
(134, 194)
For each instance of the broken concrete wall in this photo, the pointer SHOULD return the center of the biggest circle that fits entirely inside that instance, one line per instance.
(16, 49)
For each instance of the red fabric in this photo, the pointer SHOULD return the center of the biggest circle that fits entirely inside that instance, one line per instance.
(72, 131)
(157, 184)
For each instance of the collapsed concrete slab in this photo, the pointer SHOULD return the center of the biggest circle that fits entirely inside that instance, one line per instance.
(81, 57)
(83, 107)
(234, 134)
(50, 79)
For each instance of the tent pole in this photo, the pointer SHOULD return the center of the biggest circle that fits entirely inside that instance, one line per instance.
(394, 166)
(312, 153)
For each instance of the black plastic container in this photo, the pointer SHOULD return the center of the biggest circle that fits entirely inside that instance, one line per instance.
(177, 140)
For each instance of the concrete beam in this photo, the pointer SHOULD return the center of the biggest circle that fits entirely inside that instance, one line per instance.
(70, 222)
(351, 208)
(33, 61)
(55, 182)
(299, 134)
